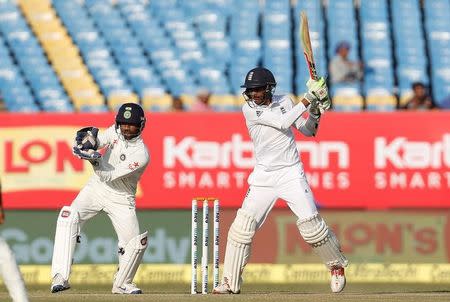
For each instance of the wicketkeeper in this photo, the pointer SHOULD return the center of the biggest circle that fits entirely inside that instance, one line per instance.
(111, 189)
(279, 174)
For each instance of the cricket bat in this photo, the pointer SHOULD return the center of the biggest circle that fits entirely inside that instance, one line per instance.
(306, 43)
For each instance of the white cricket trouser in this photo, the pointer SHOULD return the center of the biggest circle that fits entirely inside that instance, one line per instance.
(11, 274)
(289, 184)
(120, 209)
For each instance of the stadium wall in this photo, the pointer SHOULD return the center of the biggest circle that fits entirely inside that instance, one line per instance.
(382, 182)
(358, 160)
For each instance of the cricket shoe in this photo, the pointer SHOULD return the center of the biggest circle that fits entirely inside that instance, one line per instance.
(337, 279)
(59, 284)
(224, 288)
(127, 289)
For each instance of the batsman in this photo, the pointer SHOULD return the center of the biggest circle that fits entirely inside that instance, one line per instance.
(279, 173)
(111, 189)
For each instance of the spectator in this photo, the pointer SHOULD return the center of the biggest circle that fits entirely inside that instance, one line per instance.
(177, 104)
(201, 104)
(342, 70)
(420, 99)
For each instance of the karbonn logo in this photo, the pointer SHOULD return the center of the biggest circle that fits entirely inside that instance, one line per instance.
(404, 154)
(191, 153)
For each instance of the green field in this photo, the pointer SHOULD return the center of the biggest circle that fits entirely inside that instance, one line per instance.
(252, 292)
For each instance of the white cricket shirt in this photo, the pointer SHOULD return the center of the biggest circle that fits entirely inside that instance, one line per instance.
(122, 163)
(270, 130)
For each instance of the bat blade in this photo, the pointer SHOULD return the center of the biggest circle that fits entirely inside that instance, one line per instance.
(306, 43)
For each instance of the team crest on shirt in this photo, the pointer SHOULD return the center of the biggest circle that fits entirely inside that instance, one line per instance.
(258, 113)
(283, 111)
(122, 157)
(65, 214)
(133, 166)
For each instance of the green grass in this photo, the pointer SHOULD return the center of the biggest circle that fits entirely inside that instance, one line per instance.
(252, 292)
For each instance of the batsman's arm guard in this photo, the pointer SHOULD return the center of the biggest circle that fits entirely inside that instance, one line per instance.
(130, 260)
(309, 126)
(316, 233)
(66, 237)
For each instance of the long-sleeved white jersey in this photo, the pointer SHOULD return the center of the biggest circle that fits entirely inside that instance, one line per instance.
(270, 130)
(122, 164)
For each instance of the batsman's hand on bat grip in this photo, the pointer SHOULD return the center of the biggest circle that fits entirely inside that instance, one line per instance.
(319, 89)
(314, 108)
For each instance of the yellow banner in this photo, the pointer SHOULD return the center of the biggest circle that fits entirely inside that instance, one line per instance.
(39, 158)
(254, 273)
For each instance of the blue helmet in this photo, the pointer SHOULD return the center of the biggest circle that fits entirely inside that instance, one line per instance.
(131, 113)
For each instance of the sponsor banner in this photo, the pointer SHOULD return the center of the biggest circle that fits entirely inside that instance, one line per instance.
(373, 237)
(253, 273)
(359, 160)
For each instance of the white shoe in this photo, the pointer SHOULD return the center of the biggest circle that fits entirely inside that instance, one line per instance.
(59, 284)
(224, 288)
(127, 288)
(337, 279)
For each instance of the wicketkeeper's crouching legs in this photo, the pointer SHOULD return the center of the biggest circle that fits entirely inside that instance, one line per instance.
(315, 231)
(130, 258)
(237, 253)
(66, 238)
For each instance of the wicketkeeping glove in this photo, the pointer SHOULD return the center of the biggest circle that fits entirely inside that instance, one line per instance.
(89, 154)
(318, 89)
(86, 138)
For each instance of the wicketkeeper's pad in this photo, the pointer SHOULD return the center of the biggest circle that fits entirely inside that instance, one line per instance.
(130, 260)
(323, 241)
(66, 237)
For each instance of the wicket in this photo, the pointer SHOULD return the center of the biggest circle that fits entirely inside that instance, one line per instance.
(205, 243)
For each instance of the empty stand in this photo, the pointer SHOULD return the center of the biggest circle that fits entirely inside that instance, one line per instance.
(92, 55)
(376, 48)
(437, 26)
(409, 44)
(62, 54)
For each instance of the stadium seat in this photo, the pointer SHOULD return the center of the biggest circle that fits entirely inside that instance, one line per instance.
(157, 103)
(223, 102)
(381, 103)
(117, 98)
(347, 103)
(188, 101)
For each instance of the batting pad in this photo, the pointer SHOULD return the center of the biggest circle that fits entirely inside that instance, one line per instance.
(130, 260)
(323, 241)
(238, 250)
(66, 237)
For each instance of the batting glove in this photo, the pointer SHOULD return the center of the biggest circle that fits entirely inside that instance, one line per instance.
(318, 89)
